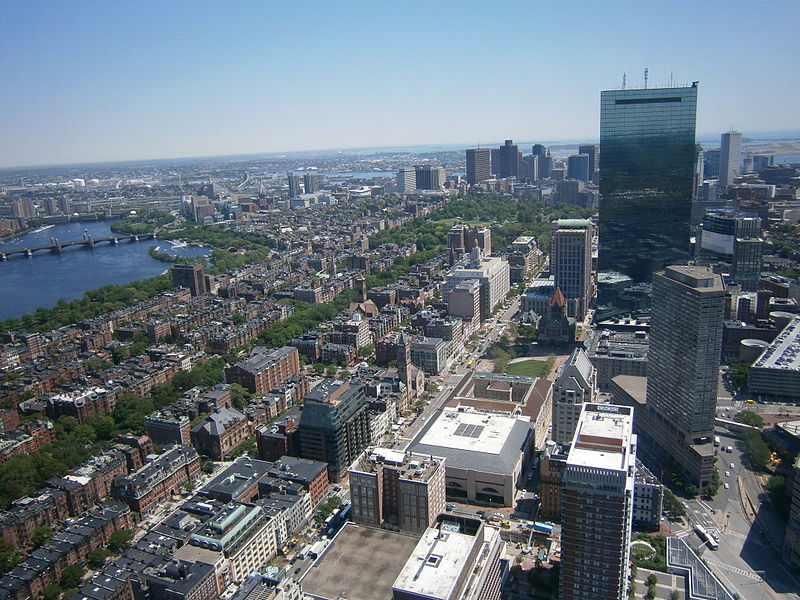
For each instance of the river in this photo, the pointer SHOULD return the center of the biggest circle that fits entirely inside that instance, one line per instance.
(28, 283)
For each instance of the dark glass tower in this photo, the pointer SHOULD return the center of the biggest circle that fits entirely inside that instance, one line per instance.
(647, 159)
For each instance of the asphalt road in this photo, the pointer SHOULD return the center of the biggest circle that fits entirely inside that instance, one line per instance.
(746, 562)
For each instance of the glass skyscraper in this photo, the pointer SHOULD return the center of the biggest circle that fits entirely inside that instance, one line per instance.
(647, 160)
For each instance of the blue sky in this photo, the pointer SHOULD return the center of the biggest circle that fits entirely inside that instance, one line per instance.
(94, 81)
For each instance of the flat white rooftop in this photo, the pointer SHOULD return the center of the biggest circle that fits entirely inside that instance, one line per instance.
(469, 430)
(433, 569)
(784, 351)
(602, 439)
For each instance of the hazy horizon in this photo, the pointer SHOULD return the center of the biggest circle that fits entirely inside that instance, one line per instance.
(103, 82)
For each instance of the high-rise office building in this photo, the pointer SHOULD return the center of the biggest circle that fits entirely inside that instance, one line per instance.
(479, 165)
(406, 180)
(491, 272)
(312, 182)
(544, 160)
(730, 158)
(334, 426)
(735, 237)
(430, 178)
(575, 385)
(593, 150)
(711, 160)
(579, 167)
(647, 161)
(294, 184)
(462, 239)
(506, 160)
(23, 208)
(530, 168)
(597, 505)
(190, 276)
(571, 263)
(683, 367)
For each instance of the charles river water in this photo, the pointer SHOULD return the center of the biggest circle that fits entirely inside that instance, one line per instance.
(28, 283)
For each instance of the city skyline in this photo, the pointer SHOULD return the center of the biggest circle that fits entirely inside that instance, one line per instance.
(80, 88)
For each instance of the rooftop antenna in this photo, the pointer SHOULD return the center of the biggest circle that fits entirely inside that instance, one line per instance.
(670, 79)
(645, 78)
(624, 77)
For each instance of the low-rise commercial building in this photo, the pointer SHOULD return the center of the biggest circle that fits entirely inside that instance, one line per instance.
(775, 376)
(485, 453)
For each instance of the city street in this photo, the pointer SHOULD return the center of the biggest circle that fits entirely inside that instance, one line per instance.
(746, 562)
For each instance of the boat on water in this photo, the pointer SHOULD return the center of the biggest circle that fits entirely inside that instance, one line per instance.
(43, 228)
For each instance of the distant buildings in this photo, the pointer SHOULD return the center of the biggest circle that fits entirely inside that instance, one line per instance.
(462, 239)
(579, 167)
(430, 177)
(420, 177)
(294, 185)
(593, 152)
(491, 272)
(571, 263)
(506, 160)
(406, 180)
(190, 276)
(734, 237)
(399, 489)
(730, 159)
(647, 162)
(597, 505)
(479, 165)
(312, 182)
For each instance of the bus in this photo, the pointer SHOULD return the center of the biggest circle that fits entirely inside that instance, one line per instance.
(706, 537)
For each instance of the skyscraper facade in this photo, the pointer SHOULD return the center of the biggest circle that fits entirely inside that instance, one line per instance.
(479, 165)
(545, 161)
(190, 276)
(571, 263)
(593, 150)
(406, 180)
(312, 182)
(294, 184)
(597, 505)
(578, 167)
(430, 178)
(506, 160)
(647, 159)
(683, 367)
(730, 158)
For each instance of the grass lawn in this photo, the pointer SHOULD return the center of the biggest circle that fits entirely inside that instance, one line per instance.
(530, 368)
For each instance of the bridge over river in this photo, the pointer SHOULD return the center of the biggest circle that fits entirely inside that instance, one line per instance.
(87, 241)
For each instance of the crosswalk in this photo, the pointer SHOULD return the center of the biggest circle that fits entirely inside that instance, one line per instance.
(749, 538)
(779, 585)
(727, 567)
